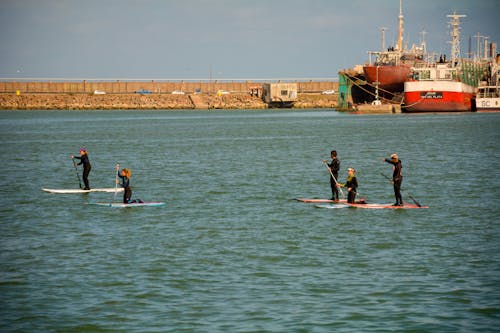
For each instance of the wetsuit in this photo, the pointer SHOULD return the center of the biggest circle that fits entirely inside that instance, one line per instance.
(334, 168)
(351, 183)
(127, 193)
(397, 180)
(84, 159)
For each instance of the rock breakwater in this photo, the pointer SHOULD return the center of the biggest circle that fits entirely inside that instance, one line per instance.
(147, 102)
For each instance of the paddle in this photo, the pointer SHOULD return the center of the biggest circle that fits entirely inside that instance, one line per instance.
(331, 174)
(116, 180)
(77, 174)
(406, 192)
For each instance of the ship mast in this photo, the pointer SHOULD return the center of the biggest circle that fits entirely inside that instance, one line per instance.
(486, 47)
(455, 37)
(400, 31)
(423, 44)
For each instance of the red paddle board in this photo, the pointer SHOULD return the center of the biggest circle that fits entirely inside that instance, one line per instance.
(385, 206)
(306, 200)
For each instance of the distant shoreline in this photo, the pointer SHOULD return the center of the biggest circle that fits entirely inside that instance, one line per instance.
(83, 101)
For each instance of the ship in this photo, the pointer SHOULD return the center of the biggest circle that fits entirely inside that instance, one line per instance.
(488, 94)
(416, 80)
(392, 67)
(437, 88)
(444, 86)
(389, 75)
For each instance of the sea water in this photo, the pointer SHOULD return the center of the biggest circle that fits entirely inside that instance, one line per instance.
(232, 251)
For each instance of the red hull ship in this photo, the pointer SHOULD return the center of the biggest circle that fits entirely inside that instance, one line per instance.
(393, 67)
(438, 96)
(389, 77)
(444, 86)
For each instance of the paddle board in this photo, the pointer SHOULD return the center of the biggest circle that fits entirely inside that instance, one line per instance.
(314, 200)
(384, 206)
(368, 205)
(306, 200)
(77, 190)
(331, 206)
(130, 205)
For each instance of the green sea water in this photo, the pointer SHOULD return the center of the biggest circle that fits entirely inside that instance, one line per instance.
(232, 251)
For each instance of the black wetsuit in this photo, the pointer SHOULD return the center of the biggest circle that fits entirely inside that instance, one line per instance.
(397, 179)
(353, 184)
(334, 168)
(127, 193)
(84, 159)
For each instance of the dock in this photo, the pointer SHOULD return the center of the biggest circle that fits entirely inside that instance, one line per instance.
(377, 108)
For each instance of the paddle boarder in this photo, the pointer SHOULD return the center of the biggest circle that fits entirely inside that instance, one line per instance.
(334, 166)
(397, 177)
(125, 175)
(351, 184)
(84, 159)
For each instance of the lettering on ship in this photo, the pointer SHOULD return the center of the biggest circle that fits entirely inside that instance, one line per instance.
(487, 104)
(431, 94)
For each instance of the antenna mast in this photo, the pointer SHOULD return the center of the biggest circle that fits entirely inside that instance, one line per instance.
(455, 36)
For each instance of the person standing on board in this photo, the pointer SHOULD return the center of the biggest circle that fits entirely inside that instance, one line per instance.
(125, 175)
(84, 159)
(334, 166)
(397, 177)
(351, 184)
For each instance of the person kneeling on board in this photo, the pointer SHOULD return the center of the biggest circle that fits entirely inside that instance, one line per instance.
(125, 175)
(351, 184)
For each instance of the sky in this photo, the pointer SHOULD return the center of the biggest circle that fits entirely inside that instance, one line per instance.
(220, 39)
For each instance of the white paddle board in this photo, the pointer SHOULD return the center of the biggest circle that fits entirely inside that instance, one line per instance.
(130, 205)
(77, 190)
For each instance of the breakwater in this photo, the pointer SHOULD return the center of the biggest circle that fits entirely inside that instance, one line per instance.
(85, 95)
(156, 87)
(121, 101)
(150, 101)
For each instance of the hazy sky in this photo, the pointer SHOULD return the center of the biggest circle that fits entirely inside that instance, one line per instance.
(232, 39)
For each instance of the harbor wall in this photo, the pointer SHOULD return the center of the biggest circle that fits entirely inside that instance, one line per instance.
(122, 96)
(157, 87)
(151, 102)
